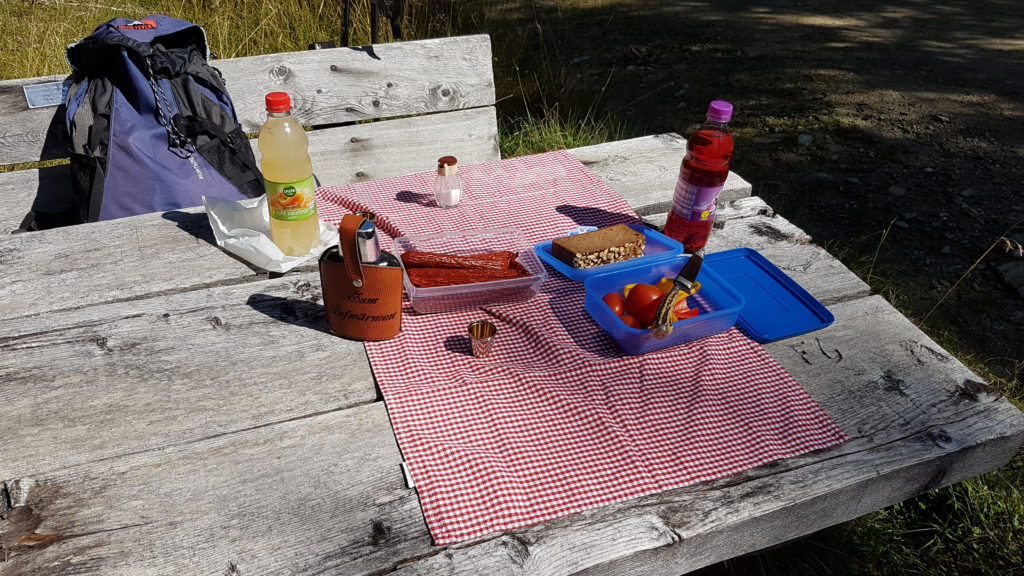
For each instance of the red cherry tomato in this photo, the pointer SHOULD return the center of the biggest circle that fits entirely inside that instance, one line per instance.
(642, 303)
(616, 302)
(630, 321)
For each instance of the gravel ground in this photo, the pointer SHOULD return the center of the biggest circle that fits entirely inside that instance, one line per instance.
(895, 128)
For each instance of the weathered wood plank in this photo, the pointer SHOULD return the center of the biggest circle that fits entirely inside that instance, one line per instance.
(645, 170)
(750, 223)
(327, 87)
(373, 150)
(115, 260)
(331, 498)
(90, 338)
(77, 384)
(133, 257)
(320, 495)
(340, 155)
(366, 82)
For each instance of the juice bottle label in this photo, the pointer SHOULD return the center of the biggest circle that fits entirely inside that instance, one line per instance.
(696, 203)
(291, 200)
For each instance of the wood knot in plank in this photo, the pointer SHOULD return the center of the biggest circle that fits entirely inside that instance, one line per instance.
(975, 391)
(835, 355)
(5, 501)
(101, 343)
(943, 439)
(18, 529)
(215, 321)
(923, 353)
(518, 550)
(892, 383)
(280, 73)
(379, 533)
(307, 291)
(444, 94)
(771, 232)
(104, 346)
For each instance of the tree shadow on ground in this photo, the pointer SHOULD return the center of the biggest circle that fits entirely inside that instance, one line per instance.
(852, 119)
(892, 133)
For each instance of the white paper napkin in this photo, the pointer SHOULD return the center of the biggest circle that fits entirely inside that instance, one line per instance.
(242, 227)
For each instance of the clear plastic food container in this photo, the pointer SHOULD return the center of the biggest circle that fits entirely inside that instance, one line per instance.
(463, 296)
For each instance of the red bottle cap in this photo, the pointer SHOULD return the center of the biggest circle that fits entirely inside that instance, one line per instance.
(278, 102)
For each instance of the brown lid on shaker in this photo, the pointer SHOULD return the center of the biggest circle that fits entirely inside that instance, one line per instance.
(447, 165)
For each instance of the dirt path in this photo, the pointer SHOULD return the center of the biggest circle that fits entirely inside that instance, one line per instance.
(853, 117)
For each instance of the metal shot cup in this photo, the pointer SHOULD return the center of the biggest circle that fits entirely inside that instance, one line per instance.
(481, 334)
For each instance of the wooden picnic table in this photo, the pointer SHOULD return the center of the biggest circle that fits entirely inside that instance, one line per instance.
(168, 409)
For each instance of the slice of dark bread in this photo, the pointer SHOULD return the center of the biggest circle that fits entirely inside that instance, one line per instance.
(602, 246)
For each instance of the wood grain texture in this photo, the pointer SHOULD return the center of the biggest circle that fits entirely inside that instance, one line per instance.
(365, 82)
(29, 134)
(318, 495)
(750, 223)
(322, 495)
(113, 343)
(340, 155)
(132, 445)
(327, 87)
(103, 381)
(374, 150)
(114, 260)
(646, 169)
(142, 255)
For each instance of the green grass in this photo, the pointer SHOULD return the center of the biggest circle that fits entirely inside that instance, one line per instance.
(973, 527)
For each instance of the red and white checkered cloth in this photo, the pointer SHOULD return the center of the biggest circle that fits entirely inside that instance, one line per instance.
(557, 419)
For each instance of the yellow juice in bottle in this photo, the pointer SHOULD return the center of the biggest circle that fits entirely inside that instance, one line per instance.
(288, 173)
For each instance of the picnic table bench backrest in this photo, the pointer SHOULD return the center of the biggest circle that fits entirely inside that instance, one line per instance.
(375, 111)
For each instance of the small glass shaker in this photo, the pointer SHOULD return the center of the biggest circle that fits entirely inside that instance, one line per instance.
(448, 186)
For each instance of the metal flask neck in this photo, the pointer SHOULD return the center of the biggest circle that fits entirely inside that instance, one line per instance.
(367, 243)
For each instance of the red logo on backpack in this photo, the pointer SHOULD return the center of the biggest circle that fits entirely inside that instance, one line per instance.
(139, 25)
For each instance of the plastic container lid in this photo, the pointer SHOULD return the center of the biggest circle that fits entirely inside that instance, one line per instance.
(776, 307)
(720, 111)
(278, 102)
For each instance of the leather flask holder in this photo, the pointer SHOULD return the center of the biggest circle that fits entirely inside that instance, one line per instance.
(362, 300)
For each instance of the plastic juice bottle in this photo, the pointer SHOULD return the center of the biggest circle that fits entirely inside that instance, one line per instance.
(288, 173)
(701, 178)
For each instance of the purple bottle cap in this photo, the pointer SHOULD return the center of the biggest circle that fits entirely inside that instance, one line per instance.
(720, 111)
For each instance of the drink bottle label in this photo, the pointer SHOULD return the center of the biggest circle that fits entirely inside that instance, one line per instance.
(291, 200)
(695, 203)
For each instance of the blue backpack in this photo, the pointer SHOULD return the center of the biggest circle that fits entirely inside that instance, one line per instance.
(150, 123)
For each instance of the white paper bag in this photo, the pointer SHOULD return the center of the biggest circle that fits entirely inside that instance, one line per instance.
(242, 227)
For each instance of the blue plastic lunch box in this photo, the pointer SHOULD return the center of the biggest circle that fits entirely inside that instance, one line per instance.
(738, 286)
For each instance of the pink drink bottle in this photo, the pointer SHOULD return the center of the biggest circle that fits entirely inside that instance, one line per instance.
(701, 178)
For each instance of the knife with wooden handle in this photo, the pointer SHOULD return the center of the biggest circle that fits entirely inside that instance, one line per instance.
(685, 281)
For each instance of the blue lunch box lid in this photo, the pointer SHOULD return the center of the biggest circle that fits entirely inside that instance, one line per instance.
(659, 248)
(776, 307)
